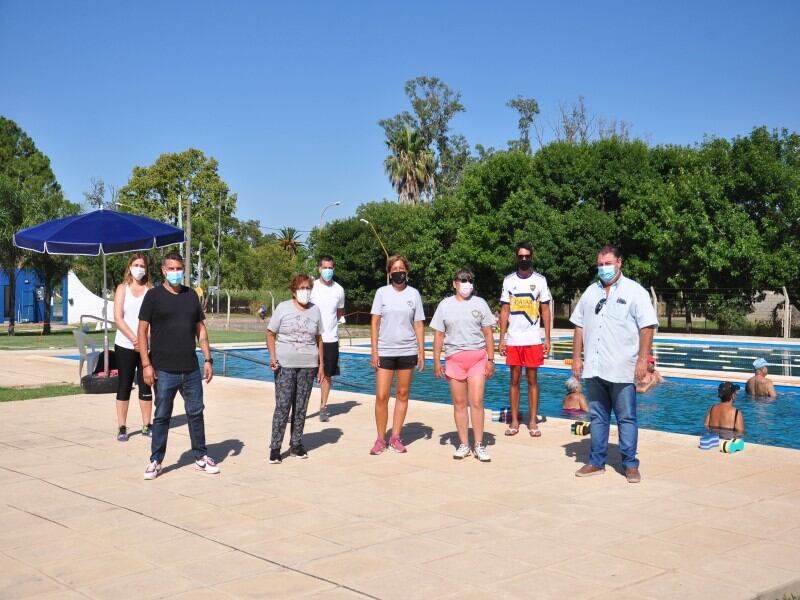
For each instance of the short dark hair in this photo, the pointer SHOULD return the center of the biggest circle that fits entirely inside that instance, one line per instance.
(325, 257)
(523, 246)
(172, 256)
(609, 249)
(463, 272)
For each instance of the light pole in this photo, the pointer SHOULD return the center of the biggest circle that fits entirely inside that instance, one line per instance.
(322, 214)
(375, 231)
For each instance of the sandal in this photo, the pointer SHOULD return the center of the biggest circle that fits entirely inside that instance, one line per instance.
(535, 432)
(512, 431)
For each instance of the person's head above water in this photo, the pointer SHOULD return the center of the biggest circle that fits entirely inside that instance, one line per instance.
(572, 385)
(727, 391)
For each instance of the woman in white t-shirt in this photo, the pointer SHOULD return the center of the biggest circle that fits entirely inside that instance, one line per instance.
(464, 326)
(398, 345)
(127, 302)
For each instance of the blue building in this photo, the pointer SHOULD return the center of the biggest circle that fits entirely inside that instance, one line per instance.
(27, 305)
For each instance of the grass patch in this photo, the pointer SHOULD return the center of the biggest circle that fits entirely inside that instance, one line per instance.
(47, 391)
(63, 338)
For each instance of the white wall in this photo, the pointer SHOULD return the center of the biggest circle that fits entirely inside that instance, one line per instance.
(80, 301)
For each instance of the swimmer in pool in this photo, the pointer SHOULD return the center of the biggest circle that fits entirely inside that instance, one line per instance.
(651, 377)
(723, 418)
(574, 403)
(758, 384)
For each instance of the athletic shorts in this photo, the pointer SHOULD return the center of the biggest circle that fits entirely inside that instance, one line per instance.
(330, 354)
(397, 363)
(465, 364)
(525, 356)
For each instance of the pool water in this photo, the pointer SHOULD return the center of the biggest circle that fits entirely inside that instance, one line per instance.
(678, 406)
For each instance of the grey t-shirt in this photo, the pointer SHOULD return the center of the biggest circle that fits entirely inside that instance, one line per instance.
(296, 330)
(398, 312)
(462, 321)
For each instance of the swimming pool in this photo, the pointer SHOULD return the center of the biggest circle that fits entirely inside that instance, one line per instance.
(713, 356)
(678, 405)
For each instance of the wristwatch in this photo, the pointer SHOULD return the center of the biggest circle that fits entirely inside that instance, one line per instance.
(210, 361)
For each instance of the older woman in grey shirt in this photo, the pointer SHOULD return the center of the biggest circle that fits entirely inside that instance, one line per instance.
(294, 340)
(464, 326)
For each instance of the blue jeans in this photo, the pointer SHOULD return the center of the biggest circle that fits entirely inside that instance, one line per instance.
(190, 385)
(603, 396)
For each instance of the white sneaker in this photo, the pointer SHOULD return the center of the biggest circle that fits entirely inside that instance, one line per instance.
(481, 454)
(461, 452)
(152, 471)
(207, 465)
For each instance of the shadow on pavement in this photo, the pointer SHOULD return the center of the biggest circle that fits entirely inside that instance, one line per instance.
(451, 437)
(416, 431)
(317, 439)
(218, 452)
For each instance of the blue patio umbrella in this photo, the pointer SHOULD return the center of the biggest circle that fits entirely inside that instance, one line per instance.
(99, 232)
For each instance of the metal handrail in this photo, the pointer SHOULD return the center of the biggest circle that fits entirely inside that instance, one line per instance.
(226, 353)
(96, 318)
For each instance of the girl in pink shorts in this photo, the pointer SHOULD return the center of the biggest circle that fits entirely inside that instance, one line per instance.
(464, 327)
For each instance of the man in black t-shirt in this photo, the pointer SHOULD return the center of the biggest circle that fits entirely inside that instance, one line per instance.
(171, 317)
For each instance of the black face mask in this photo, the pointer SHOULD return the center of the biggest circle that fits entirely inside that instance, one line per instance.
(398, 277)
(524, 264)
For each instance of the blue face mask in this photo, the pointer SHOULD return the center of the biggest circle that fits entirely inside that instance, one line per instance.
(327, 274)
(174, 277)
(606, 272)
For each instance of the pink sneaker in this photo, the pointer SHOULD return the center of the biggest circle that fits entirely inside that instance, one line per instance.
(152, 471)
(396, 444)
(378, 447)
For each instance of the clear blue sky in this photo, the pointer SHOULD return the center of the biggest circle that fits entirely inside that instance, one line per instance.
(286, 96)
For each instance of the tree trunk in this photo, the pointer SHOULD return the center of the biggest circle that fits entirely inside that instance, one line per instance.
(12, 292)
(688, 310)
(48, 293)
(669, 314)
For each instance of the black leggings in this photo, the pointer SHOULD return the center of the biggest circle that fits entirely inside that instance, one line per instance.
(129, 363)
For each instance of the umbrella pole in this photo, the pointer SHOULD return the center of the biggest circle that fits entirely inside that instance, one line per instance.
(105, 317)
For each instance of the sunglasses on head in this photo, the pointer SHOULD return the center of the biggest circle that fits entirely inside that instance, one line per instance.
(465, 279)
(600, 305)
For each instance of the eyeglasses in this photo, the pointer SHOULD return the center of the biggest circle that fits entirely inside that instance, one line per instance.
(600, 305)
(465, 279)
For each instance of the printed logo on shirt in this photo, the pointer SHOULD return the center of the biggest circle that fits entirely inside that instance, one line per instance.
(621, 301)
(526, 305)
(476, 314)
(410, 303)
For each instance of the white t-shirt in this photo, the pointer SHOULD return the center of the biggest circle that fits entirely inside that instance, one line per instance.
(524, 295)
(398, 312)
(329, 299)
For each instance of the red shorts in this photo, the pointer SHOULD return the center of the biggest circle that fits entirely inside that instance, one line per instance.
(525, 356)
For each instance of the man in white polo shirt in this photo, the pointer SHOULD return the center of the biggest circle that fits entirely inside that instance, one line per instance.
(328, 296)
(614, 326)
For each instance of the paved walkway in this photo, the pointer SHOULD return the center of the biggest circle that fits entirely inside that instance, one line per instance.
(77, 520)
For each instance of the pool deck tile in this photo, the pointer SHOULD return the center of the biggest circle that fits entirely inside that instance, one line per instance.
(78, 520)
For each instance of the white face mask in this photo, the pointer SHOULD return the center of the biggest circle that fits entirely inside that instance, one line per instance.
(138, 272)
(465, 289)
(303, 296)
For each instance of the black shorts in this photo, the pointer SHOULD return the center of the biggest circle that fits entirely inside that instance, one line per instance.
(330, 354)
(397, 363)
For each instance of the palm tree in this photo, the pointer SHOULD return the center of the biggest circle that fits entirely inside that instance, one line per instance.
(410, 166)
(289, 240)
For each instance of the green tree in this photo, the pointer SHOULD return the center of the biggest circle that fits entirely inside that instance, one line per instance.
(434, 105)
(289, 240)
(410, 167)
(527, 108)
(181, 184)
(29, 194)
